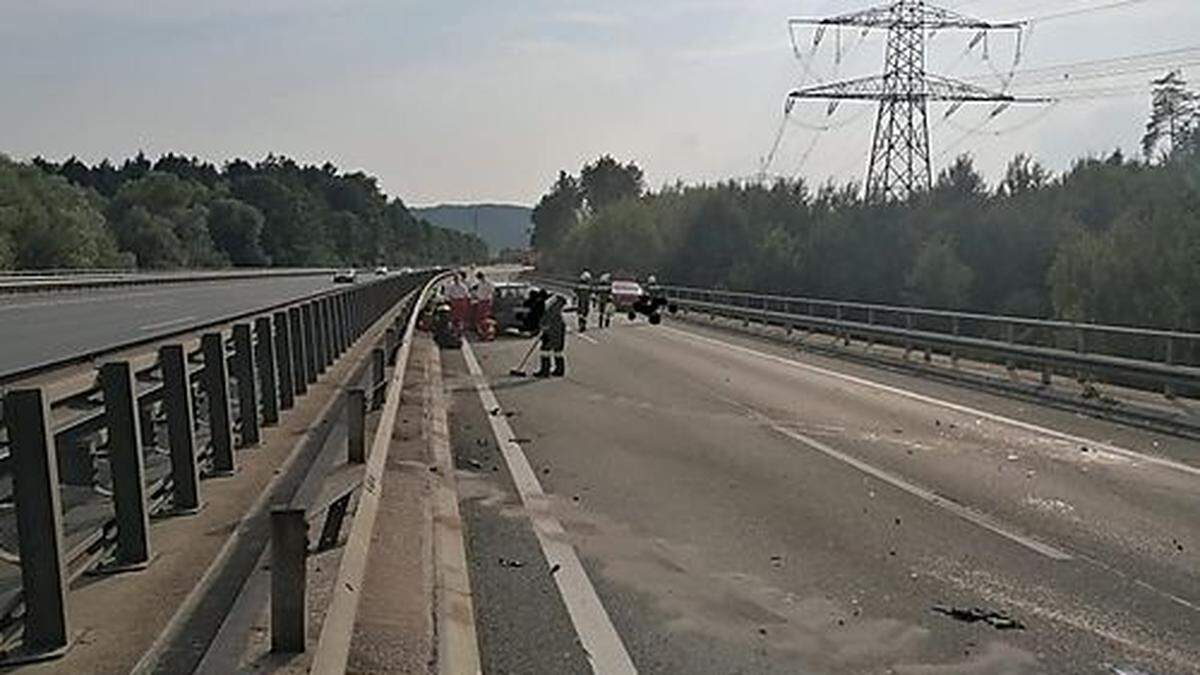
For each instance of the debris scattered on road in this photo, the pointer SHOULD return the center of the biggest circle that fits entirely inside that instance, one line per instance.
(991, 617)
(510, 562)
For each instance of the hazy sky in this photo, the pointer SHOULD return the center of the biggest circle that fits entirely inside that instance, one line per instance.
(485, 100)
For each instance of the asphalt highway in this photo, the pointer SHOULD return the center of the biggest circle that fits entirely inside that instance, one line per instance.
(739, 507)
(43, 327)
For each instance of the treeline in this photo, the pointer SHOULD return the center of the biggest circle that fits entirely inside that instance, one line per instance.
(181, 212)
(1113, 239)
(1110, 240)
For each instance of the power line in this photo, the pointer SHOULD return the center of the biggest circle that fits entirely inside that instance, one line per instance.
(1085, 10)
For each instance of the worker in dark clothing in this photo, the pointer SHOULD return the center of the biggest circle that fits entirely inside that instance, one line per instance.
(535, 306)
(554, 339)
(583, 299)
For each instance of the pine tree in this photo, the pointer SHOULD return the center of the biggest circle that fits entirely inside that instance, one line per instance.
(1173, 115)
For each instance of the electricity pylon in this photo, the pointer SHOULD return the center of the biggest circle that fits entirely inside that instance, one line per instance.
(900, 164)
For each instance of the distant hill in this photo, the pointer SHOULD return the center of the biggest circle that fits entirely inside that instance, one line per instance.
(500, 225)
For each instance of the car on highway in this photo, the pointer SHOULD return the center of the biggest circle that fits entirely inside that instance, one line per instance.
(346, 276)
(508, 305)
(626, 294)
(381, 271)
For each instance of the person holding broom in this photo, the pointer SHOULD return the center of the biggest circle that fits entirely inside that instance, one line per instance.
(553, 338)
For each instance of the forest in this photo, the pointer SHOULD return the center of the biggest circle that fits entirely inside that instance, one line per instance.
(1112, 239)
(180, 212)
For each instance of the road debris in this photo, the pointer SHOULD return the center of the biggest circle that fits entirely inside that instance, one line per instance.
(991, 617)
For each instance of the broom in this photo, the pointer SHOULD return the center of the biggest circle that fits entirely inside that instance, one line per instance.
(519, 371)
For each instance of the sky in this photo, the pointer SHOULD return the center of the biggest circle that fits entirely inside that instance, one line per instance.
(479, 100)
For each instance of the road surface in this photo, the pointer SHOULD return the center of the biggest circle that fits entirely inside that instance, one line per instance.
(736, 506)
(43, 327)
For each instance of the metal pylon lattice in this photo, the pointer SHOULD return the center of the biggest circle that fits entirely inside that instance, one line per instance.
(900, 161)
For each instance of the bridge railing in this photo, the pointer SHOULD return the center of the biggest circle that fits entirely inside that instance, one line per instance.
(85, 461)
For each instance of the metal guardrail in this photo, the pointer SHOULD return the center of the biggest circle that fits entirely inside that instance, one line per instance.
(111, 425)
(1160, 359)
(1164, 360)
(32, 284)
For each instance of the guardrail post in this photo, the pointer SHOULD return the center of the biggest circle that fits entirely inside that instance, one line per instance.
(299, 352)
(125, 462)
(289, 553)
(390, 338)
(321, 337)
(343, 333)
(377, 375)
(77, 466)
(954, 352)
(283, 360)
(308, 312)
(177, 397)
(39, 525)
(1011, 337)
(264, 354)
(216, 392)
(243, 372)
(335, 326)
(1168, 390)
(908, 343)
(356, 413)
(327, 330)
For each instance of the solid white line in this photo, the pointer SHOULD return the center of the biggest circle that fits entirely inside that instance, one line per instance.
(164, 324)
(964, 512)
(605, 650)
(587, 338)
(967, 410)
